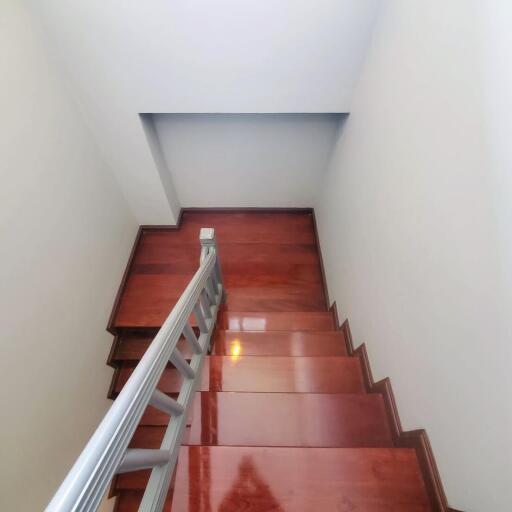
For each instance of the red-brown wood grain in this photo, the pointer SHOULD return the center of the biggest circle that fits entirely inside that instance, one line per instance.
(279, 343)
(232, 479)
(262, 374)
(269, 260)
(130, 347)
(275, 321)
(277, 419)
(283, 419)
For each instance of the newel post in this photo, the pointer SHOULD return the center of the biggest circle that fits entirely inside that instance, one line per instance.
(208, 243)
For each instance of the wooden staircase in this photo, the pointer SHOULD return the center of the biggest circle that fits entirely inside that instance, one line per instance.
(284, 419)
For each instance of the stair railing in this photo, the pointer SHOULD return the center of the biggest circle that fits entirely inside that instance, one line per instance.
(107, 453)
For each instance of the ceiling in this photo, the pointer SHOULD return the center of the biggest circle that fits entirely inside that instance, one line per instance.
(161, 56)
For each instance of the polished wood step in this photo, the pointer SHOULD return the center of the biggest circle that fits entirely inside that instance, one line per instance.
(130, 347)
(281, 228)
(232, 479)
(275, 321)
(292, 479)
(277, 419)
(270, 262)
(279, 343)
(267, 374)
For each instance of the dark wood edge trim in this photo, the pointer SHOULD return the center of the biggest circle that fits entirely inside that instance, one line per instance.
(164, 227)
(111, 360)
(113, 492)
(320, 258)
(120, 290)
(384, 388)
(158, 227)
(112, 388)
(362, 354)
(234, 209)
(248, 209)
(348, 337)
(416, 439)
(335, 318)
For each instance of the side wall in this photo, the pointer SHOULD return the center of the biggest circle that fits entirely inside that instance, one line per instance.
(413, 221)
(247, 160)
(126, 58)
(66, 233)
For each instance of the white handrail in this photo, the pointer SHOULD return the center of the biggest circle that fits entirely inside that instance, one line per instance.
(107, 454)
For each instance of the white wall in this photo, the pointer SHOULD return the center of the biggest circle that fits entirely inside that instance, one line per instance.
(247, 159)
(66, 232)
(126, 58)
(415, 225)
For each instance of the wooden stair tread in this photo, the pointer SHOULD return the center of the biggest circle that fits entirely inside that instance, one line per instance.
(276, 321)
(277, 419)
(130, 347)
(326, 374)
(241, 228)
(259, 479)
(279, 343)
(270, 262)
(299, 479)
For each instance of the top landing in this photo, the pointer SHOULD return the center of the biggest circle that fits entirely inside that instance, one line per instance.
(270, 262)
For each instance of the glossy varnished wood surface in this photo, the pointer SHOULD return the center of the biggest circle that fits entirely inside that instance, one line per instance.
(279, 343)
(269, 260)
(282, 420)
(275, 321)
(130, 347)
(232, 479)
(278, 419)
(262, 374)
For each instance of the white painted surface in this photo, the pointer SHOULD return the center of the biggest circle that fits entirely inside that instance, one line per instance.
(126, 58)
(161, 165)
(247, 160)
(66, 233)
(415, 224)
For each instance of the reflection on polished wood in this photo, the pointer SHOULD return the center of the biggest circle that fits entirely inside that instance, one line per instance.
(282, 421)
(278, 343)
(275, 321)
(270, 263)
(278, 419)
(232, 479)
(131, 346)
(260, 374)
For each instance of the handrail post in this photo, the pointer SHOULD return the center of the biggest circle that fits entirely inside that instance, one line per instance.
(207, 239)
